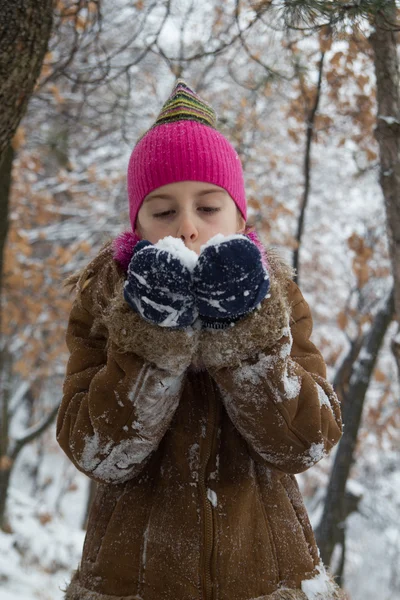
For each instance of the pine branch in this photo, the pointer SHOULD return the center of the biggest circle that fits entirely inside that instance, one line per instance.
(313, 14)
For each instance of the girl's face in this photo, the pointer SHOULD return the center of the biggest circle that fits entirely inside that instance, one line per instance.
(190, 210)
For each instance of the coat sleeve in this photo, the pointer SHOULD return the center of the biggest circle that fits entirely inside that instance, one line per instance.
(123, 382)
(273, 382)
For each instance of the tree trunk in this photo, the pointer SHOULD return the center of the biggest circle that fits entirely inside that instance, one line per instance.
(387, 132)
(5, 475)
(5, 185)
(25, 27)
(6, 463)
(334, 513)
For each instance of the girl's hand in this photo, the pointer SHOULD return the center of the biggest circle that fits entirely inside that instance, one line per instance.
(229, 279)
(159, 285)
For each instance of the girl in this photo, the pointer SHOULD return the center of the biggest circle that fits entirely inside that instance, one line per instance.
(193, 394)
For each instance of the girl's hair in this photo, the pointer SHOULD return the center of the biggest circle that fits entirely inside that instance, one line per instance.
(77, 278)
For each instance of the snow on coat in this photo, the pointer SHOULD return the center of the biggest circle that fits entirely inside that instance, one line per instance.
(194, 437)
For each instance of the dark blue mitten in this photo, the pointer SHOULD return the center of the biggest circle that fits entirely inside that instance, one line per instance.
(229, 280)
(159, 284)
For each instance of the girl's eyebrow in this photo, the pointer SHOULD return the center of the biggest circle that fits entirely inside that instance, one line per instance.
(171, 197)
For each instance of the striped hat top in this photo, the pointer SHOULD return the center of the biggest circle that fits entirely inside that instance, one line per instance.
(185, 105)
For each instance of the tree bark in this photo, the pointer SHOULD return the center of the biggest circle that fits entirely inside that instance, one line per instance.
(5, 186)
(5, 460)
(387, 132)
(334, 513)
(25, 28)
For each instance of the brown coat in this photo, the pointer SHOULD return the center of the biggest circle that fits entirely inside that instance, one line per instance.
(195, 437)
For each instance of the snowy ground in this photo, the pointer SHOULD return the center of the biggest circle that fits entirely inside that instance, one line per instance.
(37, 558)
(372, 566)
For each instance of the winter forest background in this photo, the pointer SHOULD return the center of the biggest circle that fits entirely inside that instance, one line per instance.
(308, 94)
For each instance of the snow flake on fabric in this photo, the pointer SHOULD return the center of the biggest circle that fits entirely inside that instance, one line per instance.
(252, 470)
(137, 425)
(287, 347)
(150, 408)
(194, 461)
(120, 403)
(122, 457)
(140, 380)
(212, 496)
(144, 553)
(89, 459)
(291, 383)
(319, 587)
(323, 398)
(274, 458)
(214, 474)
(203, 427)
(254, 374)
(316, 453)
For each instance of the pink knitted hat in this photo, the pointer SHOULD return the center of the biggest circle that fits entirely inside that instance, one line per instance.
(184, 145)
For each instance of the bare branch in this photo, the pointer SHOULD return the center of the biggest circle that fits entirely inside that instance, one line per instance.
(33, 432)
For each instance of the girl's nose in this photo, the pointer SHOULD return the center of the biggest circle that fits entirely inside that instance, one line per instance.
(187, 231)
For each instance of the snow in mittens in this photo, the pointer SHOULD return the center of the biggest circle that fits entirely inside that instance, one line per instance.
(177, 248)
(220, 237)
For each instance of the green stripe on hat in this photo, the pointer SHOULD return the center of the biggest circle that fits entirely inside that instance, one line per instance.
(185, 104)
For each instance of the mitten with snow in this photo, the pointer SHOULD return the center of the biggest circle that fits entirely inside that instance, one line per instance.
(229, 280)
(159, 283)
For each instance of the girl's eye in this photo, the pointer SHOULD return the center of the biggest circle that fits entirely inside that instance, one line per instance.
(207, 209)
(210, 209)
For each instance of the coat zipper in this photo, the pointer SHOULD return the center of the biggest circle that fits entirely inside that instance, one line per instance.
(208, 514)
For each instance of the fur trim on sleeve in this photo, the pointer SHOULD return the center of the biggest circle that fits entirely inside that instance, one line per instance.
(258, 330)
(99, 289)
(169, 349)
